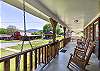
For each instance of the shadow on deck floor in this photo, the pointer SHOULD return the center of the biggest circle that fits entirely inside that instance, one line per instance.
(61, 61)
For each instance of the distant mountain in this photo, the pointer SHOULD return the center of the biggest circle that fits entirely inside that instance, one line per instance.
(32, 30)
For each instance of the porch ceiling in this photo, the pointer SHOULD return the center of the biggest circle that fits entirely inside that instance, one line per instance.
(70, 10)
(66, 12)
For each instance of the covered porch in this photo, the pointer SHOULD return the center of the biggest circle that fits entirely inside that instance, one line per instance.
(74, 16)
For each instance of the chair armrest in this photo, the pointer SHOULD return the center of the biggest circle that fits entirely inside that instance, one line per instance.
(78, 47)
(77, 57)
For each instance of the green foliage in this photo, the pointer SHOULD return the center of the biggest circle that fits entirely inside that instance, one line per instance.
(47, 28)
(58, 29)
(41, 31)
(11, 29)
(35, 33)
(3, 31)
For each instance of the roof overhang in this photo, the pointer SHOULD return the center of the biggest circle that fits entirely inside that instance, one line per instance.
(63, 11)
(36, 8)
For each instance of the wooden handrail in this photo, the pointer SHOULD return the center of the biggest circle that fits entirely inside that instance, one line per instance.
(20, 53)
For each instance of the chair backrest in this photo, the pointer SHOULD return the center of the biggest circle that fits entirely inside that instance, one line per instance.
(83, 43)
(89, 51)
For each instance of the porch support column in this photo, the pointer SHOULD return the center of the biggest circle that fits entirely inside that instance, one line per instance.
(54, 24)
(85, 32)
(99, 39)
(64, 28)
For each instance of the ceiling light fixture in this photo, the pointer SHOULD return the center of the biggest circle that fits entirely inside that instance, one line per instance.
(76, 21)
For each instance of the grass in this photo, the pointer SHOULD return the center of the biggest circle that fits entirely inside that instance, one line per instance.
(4, 52)
(60, 37)
(7, 41)
(36, 43)
(27, 46)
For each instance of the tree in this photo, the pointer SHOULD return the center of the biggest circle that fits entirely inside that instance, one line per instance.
(58, 29)
(11, 29)
(47, 28)
(3, 31)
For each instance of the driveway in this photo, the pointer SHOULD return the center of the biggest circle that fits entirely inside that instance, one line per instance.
(9, 44)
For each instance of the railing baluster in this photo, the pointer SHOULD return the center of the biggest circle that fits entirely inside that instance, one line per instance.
(58, 47)
(45, 54)
(7, 65)
(17, 63)
(35, 58)
(51, 51)
(25, 62)
(42, 55)
(54, 50)
(31, 61)
(39, 57)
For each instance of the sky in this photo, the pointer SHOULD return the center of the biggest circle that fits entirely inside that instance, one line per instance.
(10, 15)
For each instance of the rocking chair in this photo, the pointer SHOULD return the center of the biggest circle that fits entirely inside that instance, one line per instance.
(80, 59)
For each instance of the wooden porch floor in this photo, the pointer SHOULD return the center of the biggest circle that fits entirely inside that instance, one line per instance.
(61, 61)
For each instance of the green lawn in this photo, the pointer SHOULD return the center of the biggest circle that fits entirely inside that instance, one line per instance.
(6, 41)
(4, 52)
(34, 44)
(60, 37)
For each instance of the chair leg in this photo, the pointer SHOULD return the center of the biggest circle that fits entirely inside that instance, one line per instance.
(68, 64)
(69, 61)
